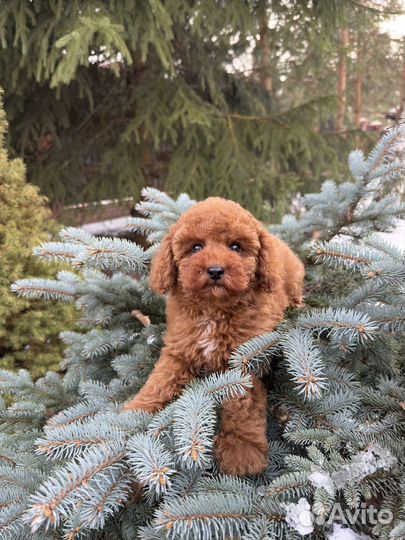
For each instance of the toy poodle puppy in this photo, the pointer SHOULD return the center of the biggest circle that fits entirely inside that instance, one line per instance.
(228, 280)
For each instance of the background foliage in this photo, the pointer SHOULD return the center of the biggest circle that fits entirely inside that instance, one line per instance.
(28, 331)
(235, 99)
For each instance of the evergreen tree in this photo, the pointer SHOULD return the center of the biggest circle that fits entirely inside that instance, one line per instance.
(150, 93)
(310, 70)
(72, 463)
(28, 332)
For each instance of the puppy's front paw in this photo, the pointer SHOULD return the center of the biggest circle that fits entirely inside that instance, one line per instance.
(238, 457)
(129, 406)
(135, 404)
(138, 404)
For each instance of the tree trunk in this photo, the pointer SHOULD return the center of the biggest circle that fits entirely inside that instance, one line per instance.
(342, 80)
(265, 54)
(402, 88)
(358, 83)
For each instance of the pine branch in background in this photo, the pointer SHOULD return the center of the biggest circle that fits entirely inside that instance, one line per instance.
(166, 95)
(160, 212)
(354, 209)
(74, 466)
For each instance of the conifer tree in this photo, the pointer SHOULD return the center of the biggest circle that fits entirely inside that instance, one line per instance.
(28, 331)
(106, 97)
(74, 466)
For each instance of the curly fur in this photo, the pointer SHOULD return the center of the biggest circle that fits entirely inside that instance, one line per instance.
(207, 320)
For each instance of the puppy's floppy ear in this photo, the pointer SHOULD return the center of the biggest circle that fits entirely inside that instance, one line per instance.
(268, 262)
(163, 272)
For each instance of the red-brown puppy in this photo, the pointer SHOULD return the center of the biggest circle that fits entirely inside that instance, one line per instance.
(228, 280)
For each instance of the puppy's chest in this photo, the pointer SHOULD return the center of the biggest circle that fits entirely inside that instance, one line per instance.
(214, 341)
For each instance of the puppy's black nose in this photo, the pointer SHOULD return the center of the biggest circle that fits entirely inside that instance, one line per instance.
(216, 272)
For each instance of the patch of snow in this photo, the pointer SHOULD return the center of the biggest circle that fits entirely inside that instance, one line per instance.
(299, 516)
(397, 236)
(322, 479)
(363, 464)
(107, 227)
(344, 533)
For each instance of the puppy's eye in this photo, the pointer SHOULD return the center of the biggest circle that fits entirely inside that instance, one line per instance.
(196, 248)
(235, 247)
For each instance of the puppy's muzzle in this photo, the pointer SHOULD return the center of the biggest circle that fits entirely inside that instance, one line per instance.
(216, 272)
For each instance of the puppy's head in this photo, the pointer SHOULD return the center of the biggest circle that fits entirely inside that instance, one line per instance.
(216, 249)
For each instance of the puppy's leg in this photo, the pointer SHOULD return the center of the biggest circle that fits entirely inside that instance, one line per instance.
(242, 447)
(168, 378)
(294, 279)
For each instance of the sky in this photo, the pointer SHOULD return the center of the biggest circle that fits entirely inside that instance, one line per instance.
(396, 25)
